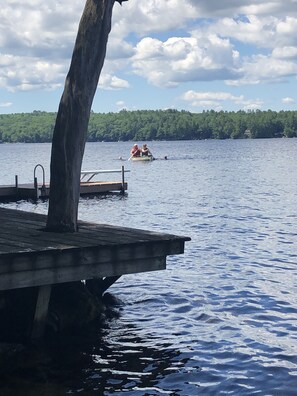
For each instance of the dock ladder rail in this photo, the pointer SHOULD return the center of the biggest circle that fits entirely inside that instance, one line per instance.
(43, 189)
(87, 176)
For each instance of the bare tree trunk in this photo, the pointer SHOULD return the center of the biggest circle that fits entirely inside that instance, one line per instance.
(71, 126)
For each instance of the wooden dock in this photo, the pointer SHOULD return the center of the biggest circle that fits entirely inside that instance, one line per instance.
(31, 257)
(29, 191)
(88, 186)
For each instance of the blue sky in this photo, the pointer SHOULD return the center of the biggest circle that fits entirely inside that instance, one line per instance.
(181, 54)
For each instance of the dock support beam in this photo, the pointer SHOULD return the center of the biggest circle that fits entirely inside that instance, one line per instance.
(16, 185)
(43, 298)
(123, 180)
(99, 286)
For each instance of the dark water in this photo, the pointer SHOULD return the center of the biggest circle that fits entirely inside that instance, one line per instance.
(222, 319)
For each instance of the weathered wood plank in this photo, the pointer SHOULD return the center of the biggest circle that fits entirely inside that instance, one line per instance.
(27, 191)
(41, 310)
(29, 256)
(7, 191)
(34, 261)
(101, 187)
(37, 240)
(49, 276)
(88, 234)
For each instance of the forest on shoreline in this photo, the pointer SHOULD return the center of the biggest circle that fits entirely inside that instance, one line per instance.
(37, 127)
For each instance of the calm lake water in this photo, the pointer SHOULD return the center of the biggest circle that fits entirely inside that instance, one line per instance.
(222, 319)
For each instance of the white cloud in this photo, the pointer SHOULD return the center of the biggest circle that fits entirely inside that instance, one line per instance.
(261, 68)
(5, 104)
(288, 100)
(194, 95)
(36, 40)
(216, 50)
(37, 28)
(108, 81)
(168, 42)
(287, 26)
(216, 100)
(33, 74)
(118, 49)
(147, 16)
(263, 32)
(248, 30)
(285, 52)
(121, 105)
(181, 59)
(214, 9)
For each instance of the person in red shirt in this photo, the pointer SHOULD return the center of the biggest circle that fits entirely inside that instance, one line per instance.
(135, 151)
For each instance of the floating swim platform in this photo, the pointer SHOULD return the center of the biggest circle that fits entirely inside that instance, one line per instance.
(88, 186)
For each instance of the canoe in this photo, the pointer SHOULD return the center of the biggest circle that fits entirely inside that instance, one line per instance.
(144, 158)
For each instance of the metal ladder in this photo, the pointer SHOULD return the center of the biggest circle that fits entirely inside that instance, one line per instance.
(42, 190)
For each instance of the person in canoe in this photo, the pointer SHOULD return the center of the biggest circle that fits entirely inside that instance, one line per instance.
(135, 151)
(145, 151)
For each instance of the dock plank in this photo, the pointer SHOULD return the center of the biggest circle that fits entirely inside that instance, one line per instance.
(29, 256)
(28, 190)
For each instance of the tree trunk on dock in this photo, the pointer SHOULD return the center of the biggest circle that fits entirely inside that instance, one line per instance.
(72, 120)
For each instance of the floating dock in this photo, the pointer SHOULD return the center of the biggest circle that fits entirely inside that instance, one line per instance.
(31, 257)
(88, 186)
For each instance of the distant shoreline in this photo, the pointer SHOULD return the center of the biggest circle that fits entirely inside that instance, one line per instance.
(155, 125)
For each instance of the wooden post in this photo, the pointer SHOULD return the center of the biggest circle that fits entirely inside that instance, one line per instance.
(108, 281)
(98, 286)
(41, 310)
(36, 188)
(123, 179)
(16, 185)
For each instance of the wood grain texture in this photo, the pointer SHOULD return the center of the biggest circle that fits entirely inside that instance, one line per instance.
(30, 256)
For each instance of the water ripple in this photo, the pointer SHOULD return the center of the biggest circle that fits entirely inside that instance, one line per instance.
(221, 320)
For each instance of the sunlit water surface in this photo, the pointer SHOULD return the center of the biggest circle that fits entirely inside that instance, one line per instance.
(222, 319)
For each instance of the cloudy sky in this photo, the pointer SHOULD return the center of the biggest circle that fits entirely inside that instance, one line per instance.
(184, 54)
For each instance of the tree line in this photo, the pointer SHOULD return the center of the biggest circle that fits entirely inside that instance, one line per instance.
(37, 127)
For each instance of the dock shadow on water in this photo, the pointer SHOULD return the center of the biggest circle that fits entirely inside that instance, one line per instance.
(103, 358)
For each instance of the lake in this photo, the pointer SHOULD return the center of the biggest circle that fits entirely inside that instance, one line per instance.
(222, 319)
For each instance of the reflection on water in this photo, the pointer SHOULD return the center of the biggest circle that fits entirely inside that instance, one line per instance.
(222, 319)
(106, 357)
